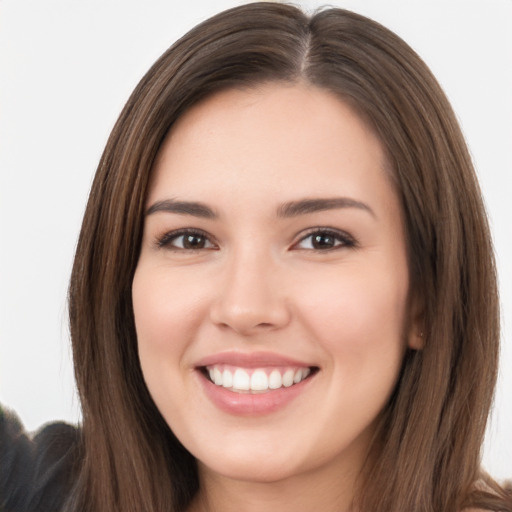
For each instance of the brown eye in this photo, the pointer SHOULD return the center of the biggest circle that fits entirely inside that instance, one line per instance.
(193, 241)
(186, 241)
(325, 240)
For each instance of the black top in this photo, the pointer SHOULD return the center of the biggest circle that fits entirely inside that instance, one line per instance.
(36, 472)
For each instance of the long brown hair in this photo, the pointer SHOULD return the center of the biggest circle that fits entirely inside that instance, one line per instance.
(427, 454)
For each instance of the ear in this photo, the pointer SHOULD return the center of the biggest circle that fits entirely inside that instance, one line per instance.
(416, 330)
(416, 340)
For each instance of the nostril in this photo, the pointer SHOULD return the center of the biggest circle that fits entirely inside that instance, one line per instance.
(249, 306)
(246, 322)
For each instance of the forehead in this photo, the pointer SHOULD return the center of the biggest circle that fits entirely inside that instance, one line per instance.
(276, 139)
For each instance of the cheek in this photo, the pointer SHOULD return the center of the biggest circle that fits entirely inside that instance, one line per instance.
(163, 312)
(166, 321)
(358, 315)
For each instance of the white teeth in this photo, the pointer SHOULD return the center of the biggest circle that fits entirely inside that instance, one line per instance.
(217, 377)
(258, 381)
(241, 380)
(227, 379)
(275, 381)
(288, 378)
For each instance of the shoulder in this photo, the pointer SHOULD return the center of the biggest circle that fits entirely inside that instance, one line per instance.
(36, 471)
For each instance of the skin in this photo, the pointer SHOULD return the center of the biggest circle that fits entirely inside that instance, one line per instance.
(258, 284)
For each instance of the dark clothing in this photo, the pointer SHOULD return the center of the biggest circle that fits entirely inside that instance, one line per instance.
(36, 472)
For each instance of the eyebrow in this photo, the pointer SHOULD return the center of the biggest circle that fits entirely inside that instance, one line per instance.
(286, 210)
(305, 206)
(182, 208)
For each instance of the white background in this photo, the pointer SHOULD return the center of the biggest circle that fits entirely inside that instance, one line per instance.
(66, 69)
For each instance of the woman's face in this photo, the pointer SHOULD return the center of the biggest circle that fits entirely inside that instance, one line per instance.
(274, 263)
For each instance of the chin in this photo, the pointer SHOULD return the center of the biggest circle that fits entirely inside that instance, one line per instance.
(245, 470)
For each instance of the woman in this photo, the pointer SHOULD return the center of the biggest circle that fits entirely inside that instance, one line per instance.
(284, 293)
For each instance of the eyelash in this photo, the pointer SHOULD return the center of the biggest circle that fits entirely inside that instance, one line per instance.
(341, 239)
(165, 240)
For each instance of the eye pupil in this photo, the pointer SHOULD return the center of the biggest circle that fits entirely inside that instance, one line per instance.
(193, 241)
(323, 241)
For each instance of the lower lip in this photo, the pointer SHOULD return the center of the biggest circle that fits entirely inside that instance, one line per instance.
(248, 404)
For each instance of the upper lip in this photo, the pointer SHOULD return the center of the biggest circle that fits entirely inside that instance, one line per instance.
(250, 360)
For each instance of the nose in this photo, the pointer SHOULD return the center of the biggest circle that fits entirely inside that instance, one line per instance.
(251, 298)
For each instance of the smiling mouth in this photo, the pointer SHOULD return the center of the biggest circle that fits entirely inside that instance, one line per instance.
(256, 380)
